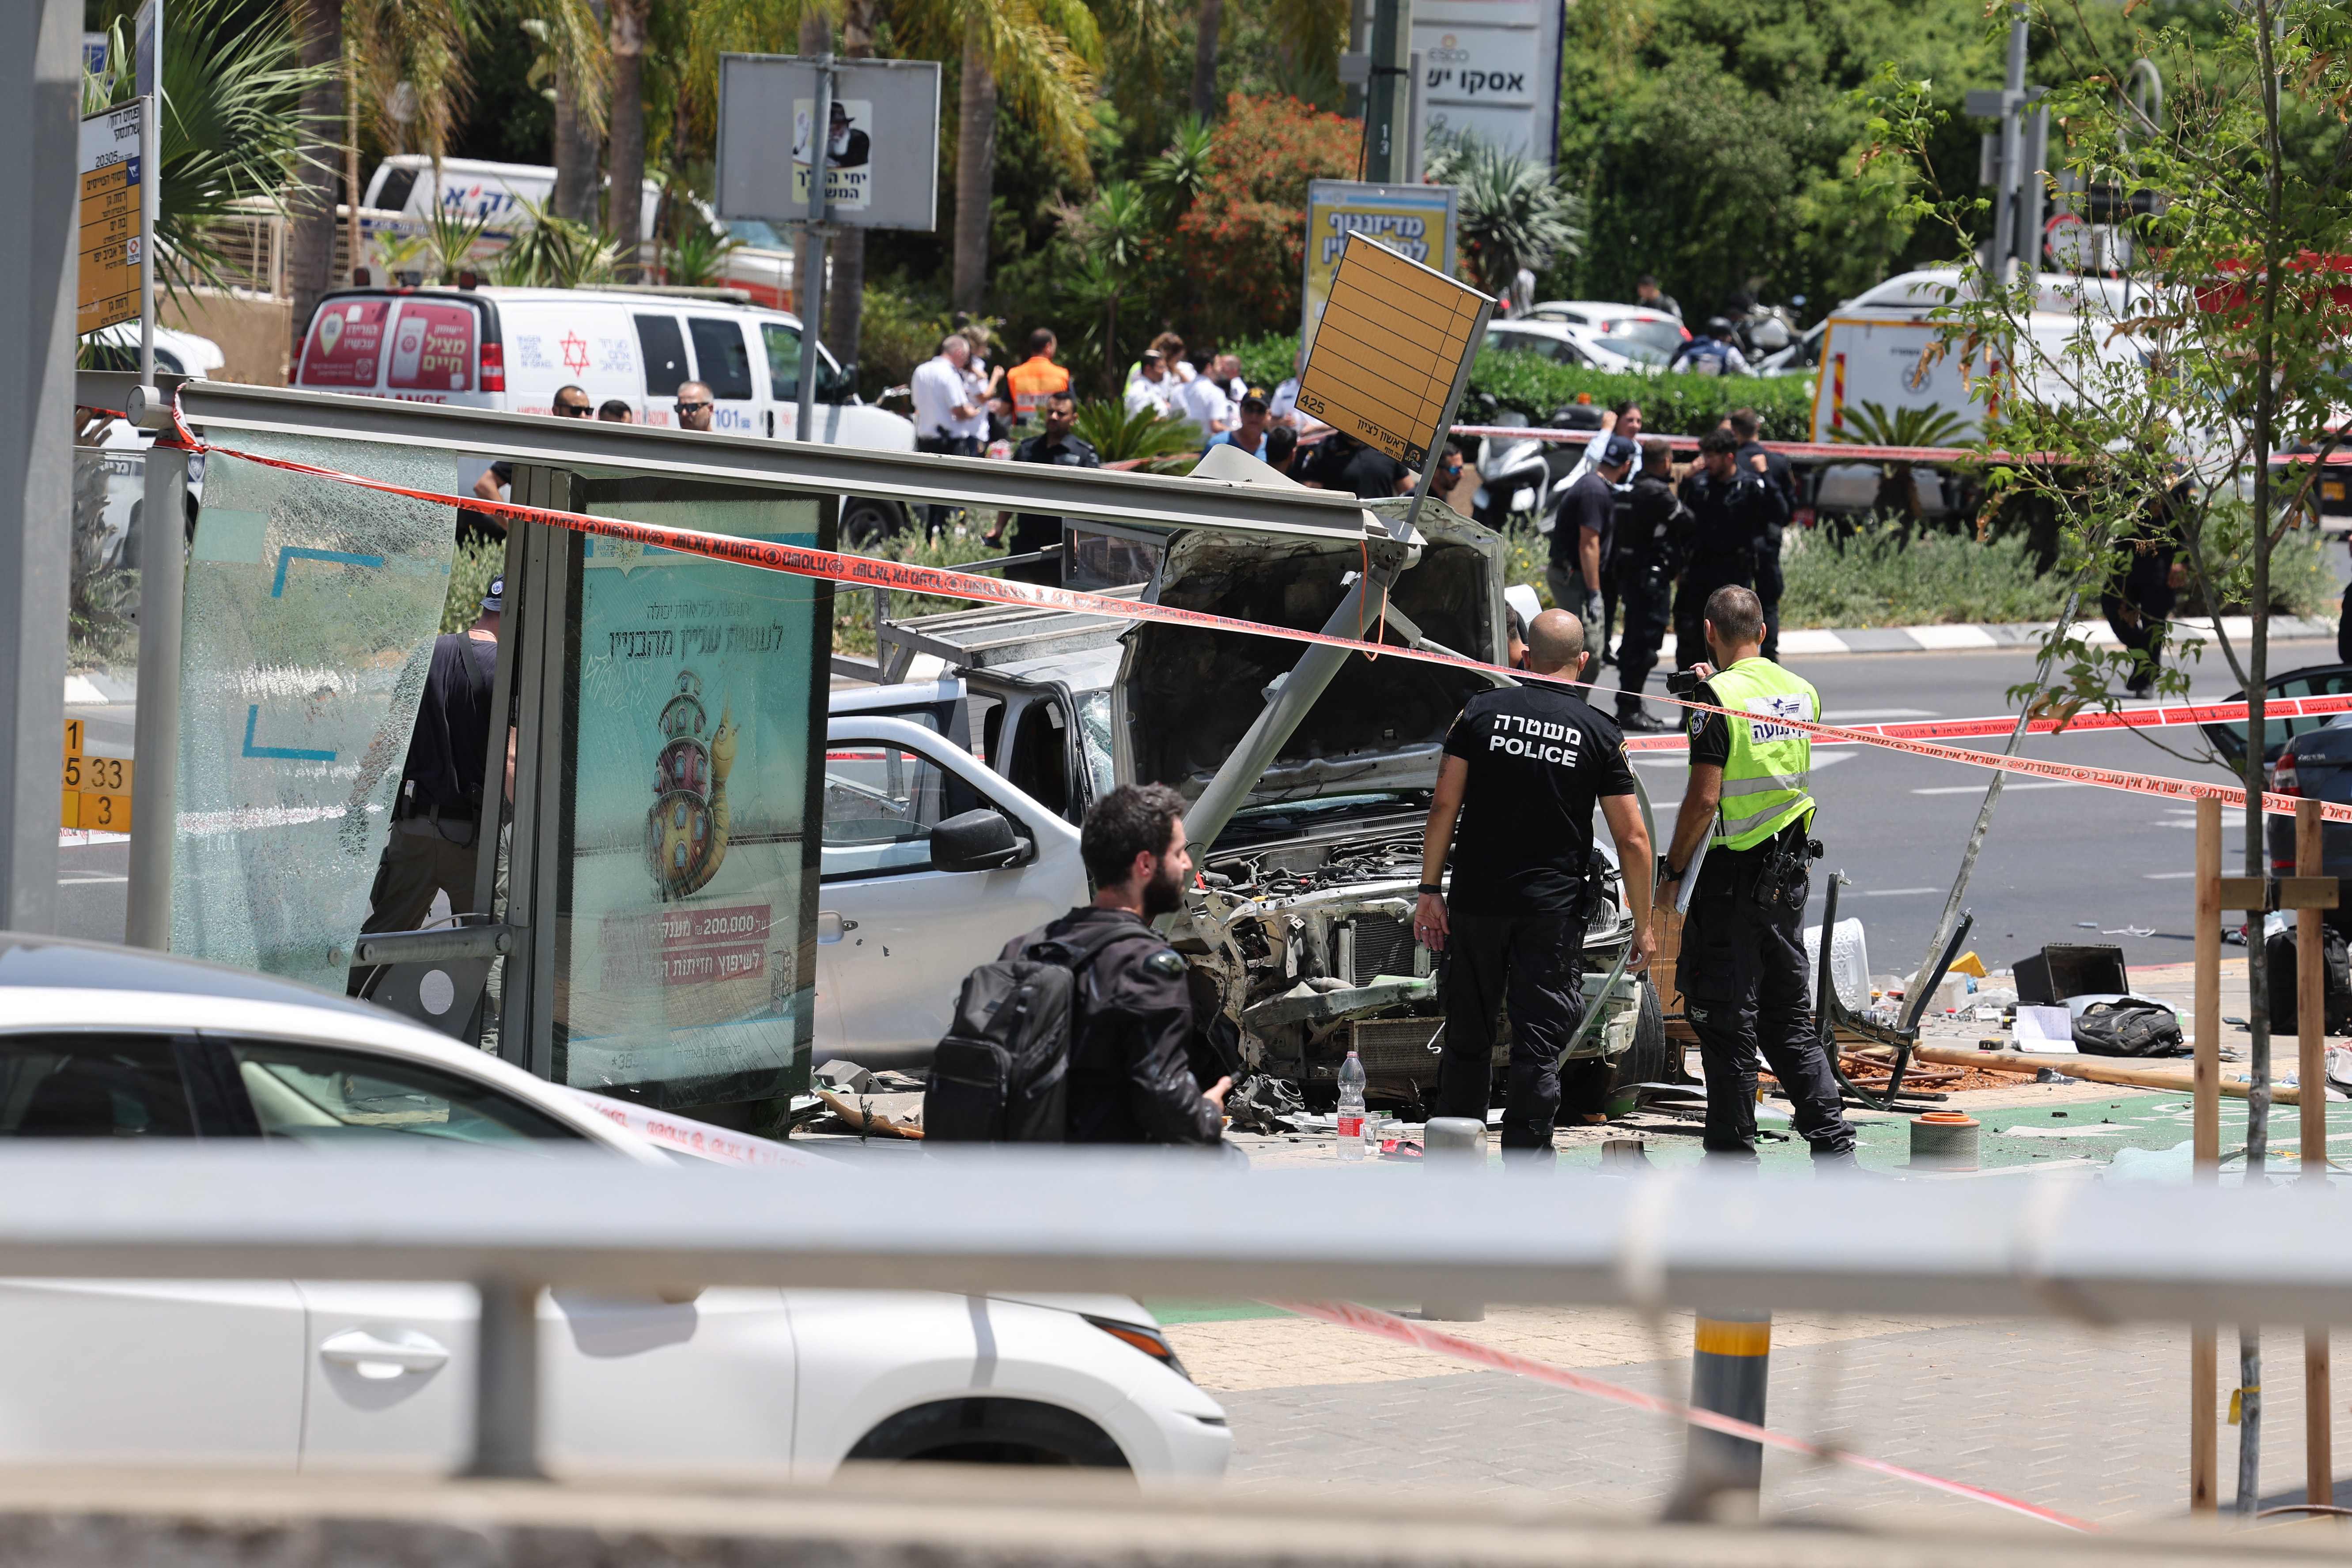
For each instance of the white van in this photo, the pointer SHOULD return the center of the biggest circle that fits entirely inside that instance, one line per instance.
(476, 188)
(511, 348)
(762, 264)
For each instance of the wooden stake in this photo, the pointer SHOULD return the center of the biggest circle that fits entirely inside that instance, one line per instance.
(2206, 1144)
(2311, 1071)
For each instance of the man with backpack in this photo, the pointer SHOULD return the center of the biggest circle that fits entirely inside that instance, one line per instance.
(1093, 1013)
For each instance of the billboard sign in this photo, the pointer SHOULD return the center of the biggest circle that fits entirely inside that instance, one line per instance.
(112, 236)
(881, 140)
(1417, 222)
(1490, 68)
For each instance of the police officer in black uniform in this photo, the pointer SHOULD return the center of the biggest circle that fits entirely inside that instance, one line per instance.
(1652, 534)
(1781, 475)
(1734, 511)
(1137, 1028)
(438, 816)
(1060, 445)
(1580, 535)
(1524, 767)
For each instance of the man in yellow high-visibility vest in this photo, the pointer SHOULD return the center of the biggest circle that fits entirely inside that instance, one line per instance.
(1742, 968)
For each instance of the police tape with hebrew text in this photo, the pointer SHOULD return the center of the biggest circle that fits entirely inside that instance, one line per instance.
(2164, 716)
(1420, 1336)
(862, 571)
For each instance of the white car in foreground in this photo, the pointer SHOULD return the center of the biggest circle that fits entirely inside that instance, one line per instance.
(106, 1042)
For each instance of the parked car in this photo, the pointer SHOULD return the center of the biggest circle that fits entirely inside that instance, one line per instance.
(1634, 332)
(513, 348)
(2312, 680)
(98, 1041)
(2316, 764)
(1564, 343)
(1302, 920)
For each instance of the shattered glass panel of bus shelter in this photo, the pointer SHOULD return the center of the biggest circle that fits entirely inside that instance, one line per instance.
(311, 609)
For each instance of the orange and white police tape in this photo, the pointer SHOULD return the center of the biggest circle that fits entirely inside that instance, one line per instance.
(2164, 716)
(899, 576)
(1420, 1336)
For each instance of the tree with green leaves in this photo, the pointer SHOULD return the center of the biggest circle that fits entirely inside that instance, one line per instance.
(233, 126)
(1513, 213)
(2161, 415)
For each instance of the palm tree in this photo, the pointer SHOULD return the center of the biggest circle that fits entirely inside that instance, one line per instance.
(1110, 233)
(1515, 215)
(233, 127)
(409, 58)
(310, 261)
(625, 151)
(568, 37)
(1204, 59)
(1041, 54)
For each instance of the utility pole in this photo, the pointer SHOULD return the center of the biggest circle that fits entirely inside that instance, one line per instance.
(40, 120)
(1387, 95)
(2013, 159)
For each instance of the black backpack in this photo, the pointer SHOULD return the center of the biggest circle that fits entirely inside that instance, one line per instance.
(1001, 1073)
(2280, 949)
(2128, 1028)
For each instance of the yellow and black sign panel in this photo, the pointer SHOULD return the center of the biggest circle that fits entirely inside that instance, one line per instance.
(95, 792)
(112, 237)
(1390, 350)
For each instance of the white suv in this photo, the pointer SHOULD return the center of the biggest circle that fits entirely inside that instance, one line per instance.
(286, 1374)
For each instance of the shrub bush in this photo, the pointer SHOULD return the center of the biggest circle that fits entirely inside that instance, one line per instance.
(1671, 404)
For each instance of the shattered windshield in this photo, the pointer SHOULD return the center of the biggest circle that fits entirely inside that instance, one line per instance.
(1094, 741)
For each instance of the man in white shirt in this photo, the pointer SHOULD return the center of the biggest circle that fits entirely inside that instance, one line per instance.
(945, 409)
(948, 419)
(1151, 388)
(1204, 399)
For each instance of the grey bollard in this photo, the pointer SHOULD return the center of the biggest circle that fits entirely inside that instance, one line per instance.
(1731, 1361)
(1453, 1142)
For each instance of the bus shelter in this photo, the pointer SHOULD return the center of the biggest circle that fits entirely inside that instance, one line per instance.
(651, 899)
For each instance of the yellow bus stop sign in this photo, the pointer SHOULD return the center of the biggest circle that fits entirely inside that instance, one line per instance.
(1392, 352)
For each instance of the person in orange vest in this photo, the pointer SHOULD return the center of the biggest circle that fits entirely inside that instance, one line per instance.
(1036, 378)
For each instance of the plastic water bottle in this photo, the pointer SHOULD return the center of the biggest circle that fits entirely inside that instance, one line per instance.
(1352, 1109)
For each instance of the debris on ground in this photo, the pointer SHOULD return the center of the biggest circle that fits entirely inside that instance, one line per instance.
(898, 1115)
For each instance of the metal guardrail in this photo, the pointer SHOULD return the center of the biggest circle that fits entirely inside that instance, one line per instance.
(1166, 1223)
(220, 409)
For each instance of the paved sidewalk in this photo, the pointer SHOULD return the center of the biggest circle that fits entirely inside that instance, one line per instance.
(2088, 1422)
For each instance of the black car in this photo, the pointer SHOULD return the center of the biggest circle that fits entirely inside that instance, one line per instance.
(2315, 681)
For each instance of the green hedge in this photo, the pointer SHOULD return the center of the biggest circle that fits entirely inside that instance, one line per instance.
(1672, 404)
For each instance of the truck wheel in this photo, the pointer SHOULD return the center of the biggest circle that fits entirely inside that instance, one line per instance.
(1651, 1057)
(991, 1432)
(866, 523)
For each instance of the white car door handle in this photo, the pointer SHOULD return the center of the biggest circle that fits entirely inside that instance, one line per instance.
(831, 927)
(374, 1357)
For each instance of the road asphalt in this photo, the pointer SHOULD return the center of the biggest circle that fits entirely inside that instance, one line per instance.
(2063, 863)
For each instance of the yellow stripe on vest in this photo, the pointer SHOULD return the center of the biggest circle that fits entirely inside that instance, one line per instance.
(1718, 1338)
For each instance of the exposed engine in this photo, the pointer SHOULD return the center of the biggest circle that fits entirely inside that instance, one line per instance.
(1310, 943)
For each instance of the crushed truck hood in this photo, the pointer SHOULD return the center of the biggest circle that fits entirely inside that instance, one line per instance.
(1190, 695)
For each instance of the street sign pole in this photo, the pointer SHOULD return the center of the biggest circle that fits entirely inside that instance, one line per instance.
(39, 124)
(812, 292)
(149, 43)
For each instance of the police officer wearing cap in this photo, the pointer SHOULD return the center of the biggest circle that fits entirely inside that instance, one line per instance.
(1581, 536)
(439, 813)
(1743, 834)
(1736, 513)
(1523, 770)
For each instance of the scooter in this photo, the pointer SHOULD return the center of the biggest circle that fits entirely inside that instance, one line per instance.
(1522, 477)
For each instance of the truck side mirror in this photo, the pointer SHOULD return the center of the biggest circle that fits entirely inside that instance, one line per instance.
(977, 840)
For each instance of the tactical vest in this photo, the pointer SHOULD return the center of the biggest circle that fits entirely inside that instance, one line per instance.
(1765, 777)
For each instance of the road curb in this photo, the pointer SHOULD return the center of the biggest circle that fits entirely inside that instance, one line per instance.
(2021, 634)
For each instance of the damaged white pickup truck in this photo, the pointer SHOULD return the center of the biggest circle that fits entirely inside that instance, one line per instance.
(1309, 778)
